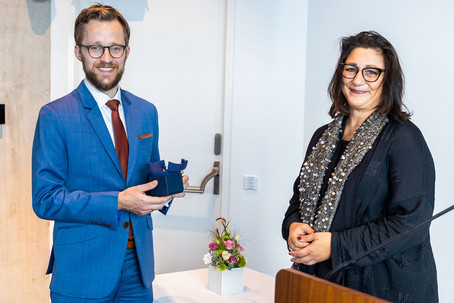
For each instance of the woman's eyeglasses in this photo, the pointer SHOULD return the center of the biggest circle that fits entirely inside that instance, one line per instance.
(370, 74)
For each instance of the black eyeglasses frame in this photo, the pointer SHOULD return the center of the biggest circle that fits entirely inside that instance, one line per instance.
(104, 49)
(380, 71)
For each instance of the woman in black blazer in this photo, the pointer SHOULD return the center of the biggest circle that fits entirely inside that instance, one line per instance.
(367, 176)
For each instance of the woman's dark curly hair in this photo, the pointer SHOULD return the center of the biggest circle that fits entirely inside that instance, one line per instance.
(391, 104)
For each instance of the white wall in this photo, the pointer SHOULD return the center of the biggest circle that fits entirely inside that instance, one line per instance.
(423, 34)
(267, 122)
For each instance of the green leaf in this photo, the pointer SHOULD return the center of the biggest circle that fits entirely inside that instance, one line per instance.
(242, 262)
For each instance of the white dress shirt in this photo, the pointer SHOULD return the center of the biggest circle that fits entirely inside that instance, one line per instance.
(101, 99)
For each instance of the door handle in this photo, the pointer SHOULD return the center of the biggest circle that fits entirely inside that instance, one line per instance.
(213, 174)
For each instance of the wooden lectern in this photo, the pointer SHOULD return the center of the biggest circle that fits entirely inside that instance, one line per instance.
(293, 286)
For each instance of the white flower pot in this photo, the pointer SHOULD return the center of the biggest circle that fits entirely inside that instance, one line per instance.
(227, 282)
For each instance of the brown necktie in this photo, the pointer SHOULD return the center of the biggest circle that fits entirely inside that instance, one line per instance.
(121, 145)
(121, 141)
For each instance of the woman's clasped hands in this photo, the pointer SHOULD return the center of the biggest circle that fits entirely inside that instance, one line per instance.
(307, 246)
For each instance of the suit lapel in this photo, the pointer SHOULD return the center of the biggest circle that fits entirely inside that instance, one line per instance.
(132, 130)
(95, 118)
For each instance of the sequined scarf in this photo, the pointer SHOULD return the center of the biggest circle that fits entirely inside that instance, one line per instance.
(314, 169)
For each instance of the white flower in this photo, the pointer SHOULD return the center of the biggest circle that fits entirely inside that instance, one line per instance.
(226, 255)
(237, 237)
(207, 258)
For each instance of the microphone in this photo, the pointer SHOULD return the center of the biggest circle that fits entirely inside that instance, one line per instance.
(386, 242)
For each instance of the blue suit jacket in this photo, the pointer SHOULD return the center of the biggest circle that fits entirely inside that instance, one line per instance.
(76, 179)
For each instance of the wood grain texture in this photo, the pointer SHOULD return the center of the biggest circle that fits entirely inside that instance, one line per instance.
(293, 286)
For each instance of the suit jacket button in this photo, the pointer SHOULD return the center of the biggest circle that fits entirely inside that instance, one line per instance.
(126, 224)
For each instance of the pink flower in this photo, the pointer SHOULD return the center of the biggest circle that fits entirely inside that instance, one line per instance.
(213, 246)
(233, 259)
(239, 248)
(229, 244)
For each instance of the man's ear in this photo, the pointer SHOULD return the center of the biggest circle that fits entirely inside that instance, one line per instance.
(77, 52)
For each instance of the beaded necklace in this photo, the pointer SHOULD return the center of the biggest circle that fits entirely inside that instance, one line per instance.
(314, 169)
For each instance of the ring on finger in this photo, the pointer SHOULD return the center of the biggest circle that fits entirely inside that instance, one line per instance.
(311, 262)
(292, 247)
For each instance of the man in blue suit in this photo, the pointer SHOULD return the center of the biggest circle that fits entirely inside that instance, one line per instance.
(102, 241)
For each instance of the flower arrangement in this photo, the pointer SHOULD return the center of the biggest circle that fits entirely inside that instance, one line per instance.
(225, 250)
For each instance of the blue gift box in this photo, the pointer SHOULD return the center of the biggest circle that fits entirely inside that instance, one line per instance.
(169, 179)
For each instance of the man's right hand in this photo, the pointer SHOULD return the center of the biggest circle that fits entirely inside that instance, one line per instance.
(134, 199)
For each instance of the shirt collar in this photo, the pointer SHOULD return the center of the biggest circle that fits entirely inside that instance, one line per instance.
(100, 97)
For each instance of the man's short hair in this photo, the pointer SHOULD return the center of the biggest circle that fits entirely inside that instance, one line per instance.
(101, 13)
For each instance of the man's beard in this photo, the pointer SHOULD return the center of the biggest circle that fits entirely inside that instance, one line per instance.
(92, 77)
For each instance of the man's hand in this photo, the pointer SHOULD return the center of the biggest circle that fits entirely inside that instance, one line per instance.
(134, 199)
(185, 185)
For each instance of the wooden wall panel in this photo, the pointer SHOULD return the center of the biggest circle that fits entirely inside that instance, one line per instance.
(24, 88)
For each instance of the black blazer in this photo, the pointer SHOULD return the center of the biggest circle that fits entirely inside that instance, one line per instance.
(391, 190)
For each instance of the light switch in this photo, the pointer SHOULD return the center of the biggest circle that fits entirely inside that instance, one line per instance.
(250, 182)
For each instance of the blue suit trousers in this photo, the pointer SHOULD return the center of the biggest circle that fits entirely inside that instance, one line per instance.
(129, 288)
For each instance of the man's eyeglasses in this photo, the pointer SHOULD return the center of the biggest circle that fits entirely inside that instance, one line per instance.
(96, 51)
(370, 74)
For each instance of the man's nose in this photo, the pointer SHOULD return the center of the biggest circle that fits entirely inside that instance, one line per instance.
(106, 57)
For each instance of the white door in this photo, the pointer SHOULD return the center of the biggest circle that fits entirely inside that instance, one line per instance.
(177, 61)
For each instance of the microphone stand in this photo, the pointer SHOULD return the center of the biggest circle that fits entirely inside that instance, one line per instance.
(386, 242)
